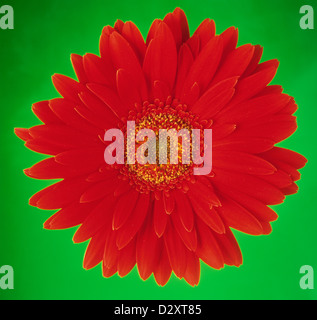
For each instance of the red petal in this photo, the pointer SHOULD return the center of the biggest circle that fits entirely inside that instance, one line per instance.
(192, 273)
(111, 253)
(189, 238)
(286, 168)
(119, 25)
(43, 146)
(110, 98)
(229, 39)
(128, 90)
(235, 63)
(105, 54)
(35, 198)
(126, 259)
(290, 108)
(66, 111)
(203, 190)
(109, 272)
(293, 188)
(124, 207)
(169, 202)
(178, 24)
(102, 115)
(163, 270)
(253, 84)
(133, 35)
(22, 133)
(294, 159)
(160, 60)
(96, 120)
(69, 216)
(243, 163)
(250, 185)
(63, 193)
(44, 113)
(215, 98)
(160, 218)
(67, 87)
(275, 128)
(121, 188)
(208, 249)
(104, 43)
(154, 26)
(124, 57)
(221, 131)
(205, 65)
(64, 136)
(257, 54)
(184, 210)
(97, 191)
(229, 248)
(206, 31)
(78, 65)
(191, 96)
(176, 251)
(95, 249)
(185, 60)
(253, 109)
(280, 179)
(96, 70)
(258, 209)
(194, 45)
(108, 173)
(243, 144)
(148, 250)
(160, 90)
(239, 218)
(100, 216)
(50, 169)
(89, 158)
(134, 222)
(271, 89)
(209, 216)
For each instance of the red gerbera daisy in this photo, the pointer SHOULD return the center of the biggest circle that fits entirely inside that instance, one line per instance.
(162, 217)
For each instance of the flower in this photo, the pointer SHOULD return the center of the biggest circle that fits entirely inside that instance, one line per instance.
(162, 217)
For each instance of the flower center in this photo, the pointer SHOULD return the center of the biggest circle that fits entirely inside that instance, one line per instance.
(171, 116)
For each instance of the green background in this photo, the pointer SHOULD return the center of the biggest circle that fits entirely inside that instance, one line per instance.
(47, 264)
